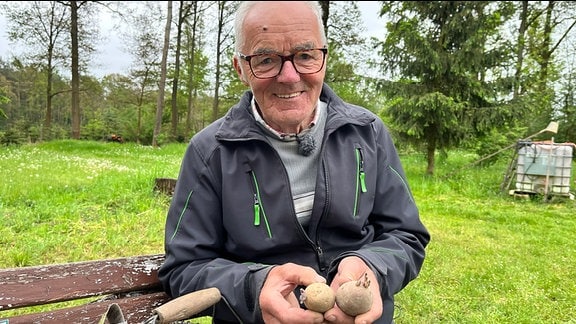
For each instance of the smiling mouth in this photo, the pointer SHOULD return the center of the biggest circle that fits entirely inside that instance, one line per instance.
(288, 96)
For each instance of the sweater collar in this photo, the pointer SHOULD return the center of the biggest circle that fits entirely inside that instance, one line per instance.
(284, 136)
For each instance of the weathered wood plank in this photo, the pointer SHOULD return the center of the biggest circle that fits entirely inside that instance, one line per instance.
(38, 285)
(135, 309)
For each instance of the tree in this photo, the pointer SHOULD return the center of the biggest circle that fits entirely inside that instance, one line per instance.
(3, 95)
(80, 34)
(567, 110)
(42, 26)
(224, 34)
(144, 45)
(348, 53)
(449, 70)
(520, 49)
(549, 27)
(196, 64)
(123, 100)
(74, 7)
(162, 83)
(325, 5)
(184, 11)
(451, 65)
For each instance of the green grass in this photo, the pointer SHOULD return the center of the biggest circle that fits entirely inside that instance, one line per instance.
(492, 259)
(68, 201)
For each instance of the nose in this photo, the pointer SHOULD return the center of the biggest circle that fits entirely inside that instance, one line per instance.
(288, 73)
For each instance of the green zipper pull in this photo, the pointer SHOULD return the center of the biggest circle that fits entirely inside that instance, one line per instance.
(256, 211)
(362, 174)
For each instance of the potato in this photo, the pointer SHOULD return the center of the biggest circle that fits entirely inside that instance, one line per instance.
(318, 297)
(355, 297)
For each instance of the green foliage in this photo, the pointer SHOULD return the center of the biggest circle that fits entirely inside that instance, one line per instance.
(347, 55)
(94, 129)
(3, 99)
(430, 115)
(350, 86)
(566, 111)
(494, 142)
(129, 128)
(440, 53)
(444, 72)
(20, 132)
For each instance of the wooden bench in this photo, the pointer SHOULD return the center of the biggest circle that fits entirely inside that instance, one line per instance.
(130, 282)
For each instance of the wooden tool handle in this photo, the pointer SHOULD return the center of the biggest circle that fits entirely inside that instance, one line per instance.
(184, 307)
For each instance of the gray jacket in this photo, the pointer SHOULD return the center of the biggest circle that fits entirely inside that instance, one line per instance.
(232, 216)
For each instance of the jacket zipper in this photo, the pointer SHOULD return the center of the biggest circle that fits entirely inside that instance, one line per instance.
(259, 213)
(320, 255)
(317, 246)
(360, 179)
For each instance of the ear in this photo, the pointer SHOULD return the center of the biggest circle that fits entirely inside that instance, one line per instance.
(237, 66)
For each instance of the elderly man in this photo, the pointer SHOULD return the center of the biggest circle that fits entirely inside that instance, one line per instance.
(293, 186)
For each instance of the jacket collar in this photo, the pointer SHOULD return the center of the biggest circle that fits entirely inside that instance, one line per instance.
(239, 122)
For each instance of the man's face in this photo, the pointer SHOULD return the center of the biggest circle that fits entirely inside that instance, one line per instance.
(287, 101)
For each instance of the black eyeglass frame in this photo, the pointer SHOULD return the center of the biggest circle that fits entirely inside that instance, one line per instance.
(284, 58)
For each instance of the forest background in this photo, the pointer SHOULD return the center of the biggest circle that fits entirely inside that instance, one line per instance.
(472, 75)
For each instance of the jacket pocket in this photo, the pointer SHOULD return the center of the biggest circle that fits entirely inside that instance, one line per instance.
(259, 212)
(360, 180)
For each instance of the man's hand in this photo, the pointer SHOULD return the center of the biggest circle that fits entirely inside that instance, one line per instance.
(277, 299)
(353, 268)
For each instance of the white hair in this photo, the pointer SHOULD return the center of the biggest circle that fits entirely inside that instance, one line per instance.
(245, 7)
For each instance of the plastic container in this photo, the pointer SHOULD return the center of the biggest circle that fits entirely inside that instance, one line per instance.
(544, 168)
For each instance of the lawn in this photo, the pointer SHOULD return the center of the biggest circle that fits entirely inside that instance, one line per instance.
(493, 258)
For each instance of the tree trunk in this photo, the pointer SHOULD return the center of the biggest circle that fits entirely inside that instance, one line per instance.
(430, 154)
(191, 71)
(221, 5)
(75, 70)
(162, 83)
(325, 14)
(165, 185)
(46, 130)
(184, 7)
(520, 49)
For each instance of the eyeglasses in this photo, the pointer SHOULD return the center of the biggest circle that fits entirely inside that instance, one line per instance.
(266, 66)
